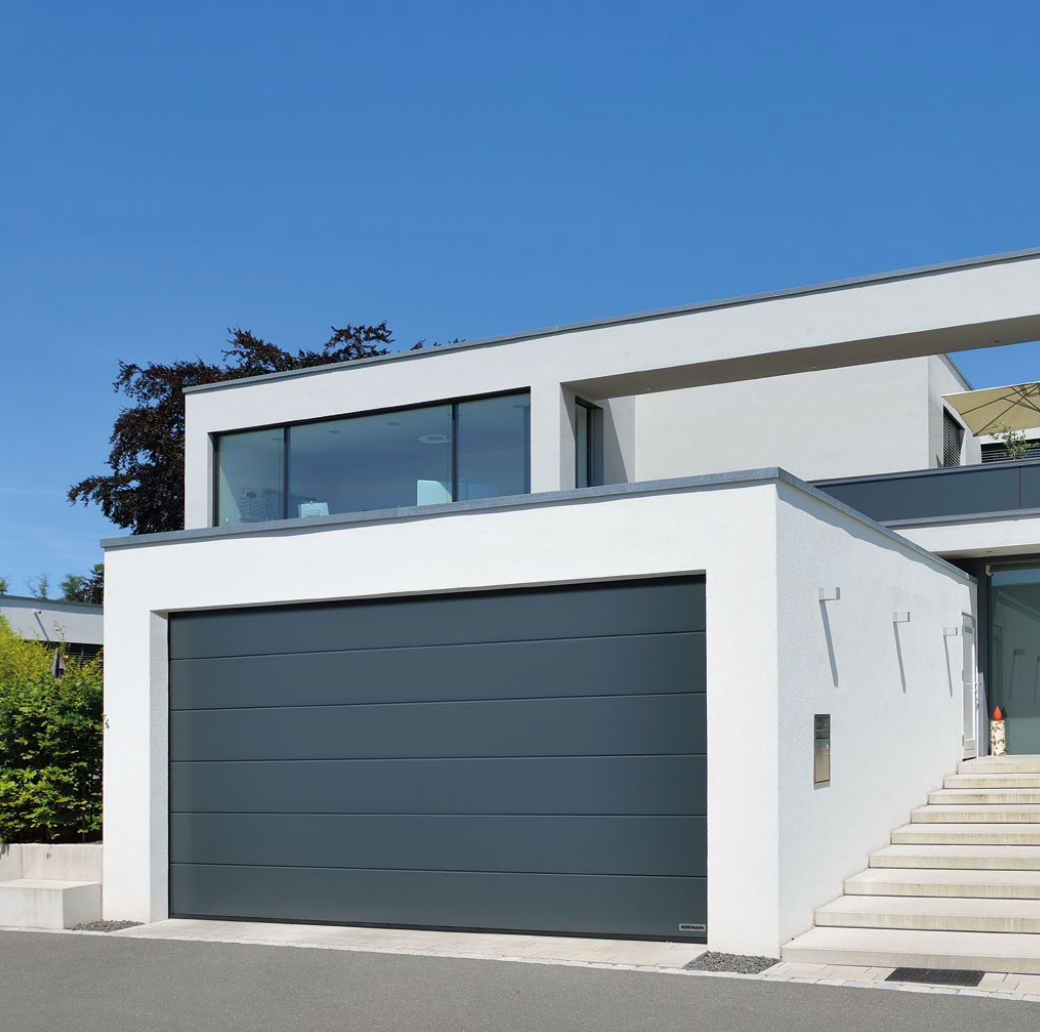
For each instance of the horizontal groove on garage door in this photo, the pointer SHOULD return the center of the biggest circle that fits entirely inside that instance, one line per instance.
(501, 843)
(609, 666)
(546, 772)
(596, 726)
(665, 785)
(633, 607)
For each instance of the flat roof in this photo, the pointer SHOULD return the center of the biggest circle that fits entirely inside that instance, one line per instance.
(620, 320)
(21, 601)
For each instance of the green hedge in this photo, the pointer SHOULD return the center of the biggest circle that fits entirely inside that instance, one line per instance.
(50, 745)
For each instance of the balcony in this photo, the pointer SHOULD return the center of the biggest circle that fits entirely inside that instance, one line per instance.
(935, 494)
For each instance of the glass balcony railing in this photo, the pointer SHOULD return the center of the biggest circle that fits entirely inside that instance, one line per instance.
(979, 490)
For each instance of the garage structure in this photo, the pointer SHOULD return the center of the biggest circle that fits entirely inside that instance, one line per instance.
(519, 759)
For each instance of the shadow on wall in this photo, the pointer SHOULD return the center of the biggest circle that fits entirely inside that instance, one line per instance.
(618, 440)
(832, 656)
(878, 538)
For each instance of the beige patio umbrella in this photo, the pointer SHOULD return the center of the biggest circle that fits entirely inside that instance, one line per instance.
(1017, 406)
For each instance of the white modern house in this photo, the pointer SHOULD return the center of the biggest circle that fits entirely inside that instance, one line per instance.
(551, 632)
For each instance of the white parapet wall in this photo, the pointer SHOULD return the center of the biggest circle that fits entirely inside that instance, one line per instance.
(767, 658)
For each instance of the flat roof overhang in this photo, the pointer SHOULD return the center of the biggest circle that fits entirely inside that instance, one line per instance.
(935, 309)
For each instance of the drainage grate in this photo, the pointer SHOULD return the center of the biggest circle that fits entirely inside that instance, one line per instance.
(936, 976)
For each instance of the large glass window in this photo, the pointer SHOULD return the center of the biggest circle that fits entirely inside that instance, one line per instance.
(251, 476)
(1014, 652)
(477, 448)
(492, 448)
(370, 462)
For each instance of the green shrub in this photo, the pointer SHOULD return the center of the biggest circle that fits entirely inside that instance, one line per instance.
(50, 745)
(22, 659)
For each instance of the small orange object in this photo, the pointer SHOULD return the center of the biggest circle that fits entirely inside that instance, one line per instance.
(998, 714)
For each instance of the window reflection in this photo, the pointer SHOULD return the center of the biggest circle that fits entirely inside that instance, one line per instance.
(250, 476)
(417, 456)
(493, 446)
(1014, 653)
(370, 462)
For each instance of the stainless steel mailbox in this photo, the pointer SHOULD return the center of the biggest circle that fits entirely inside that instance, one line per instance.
(822, 749)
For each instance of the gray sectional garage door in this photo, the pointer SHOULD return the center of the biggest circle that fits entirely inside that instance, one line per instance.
(524, 760)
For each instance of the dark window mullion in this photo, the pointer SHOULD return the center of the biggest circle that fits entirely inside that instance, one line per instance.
(286, 431)
(215, 482)
(454, 451)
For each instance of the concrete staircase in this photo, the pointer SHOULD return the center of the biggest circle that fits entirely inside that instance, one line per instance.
(44, 886)
(959, 887)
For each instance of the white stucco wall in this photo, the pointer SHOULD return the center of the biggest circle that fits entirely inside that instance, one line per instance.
(1012, 534)
(818, 424)
(619, 440)
(758, 656)
(893, 691)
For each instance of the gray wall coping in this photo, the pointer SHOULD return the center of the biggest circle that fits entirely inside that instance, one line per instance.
(736, 478)
(621, 320)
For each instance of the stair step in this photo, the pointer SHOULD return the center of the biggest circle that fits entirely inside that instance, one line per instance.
(934, 913)
(985, 796)
(1000, 765)
(1000, 781)
(967, 835)
(897, 947)
(951, 813)
(988, 858)
(47, 903)
(894, 881)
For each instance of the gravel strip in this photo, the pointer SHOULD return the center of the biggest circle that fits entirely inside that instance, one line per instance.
(105, 926)
(732, 962)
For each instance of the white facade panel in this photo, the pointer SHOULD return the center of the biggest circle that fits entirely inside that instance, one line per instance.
(817, 424)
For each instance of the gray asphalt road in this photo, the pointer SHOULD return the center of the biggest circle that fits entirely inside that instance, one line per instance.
(107, 984)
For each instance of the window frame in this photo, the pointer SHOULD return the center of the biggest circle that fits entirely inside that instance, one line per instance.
(950, 421)
(593, 443)
(216, 436)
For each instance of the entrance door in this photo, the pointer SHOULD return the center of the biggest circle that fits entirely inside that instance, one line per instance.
(970, 685)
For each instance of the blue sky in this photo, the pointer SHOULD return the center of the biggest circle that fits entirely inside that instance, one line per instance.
(463, 169)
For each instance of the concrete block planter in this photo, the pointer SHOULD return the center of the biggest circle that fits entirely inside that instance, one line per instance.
(49, 886)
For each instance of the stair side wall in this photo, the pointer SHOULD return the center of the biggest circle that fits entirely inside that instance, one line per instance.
(892, 689)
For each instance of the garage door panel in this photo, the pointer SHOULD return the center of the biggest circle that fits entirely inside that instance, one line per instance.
(654, 785)
(571, 611)
(603, 905)
(530, 760)
(643, 664)
(655, 846)
(530, 727)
